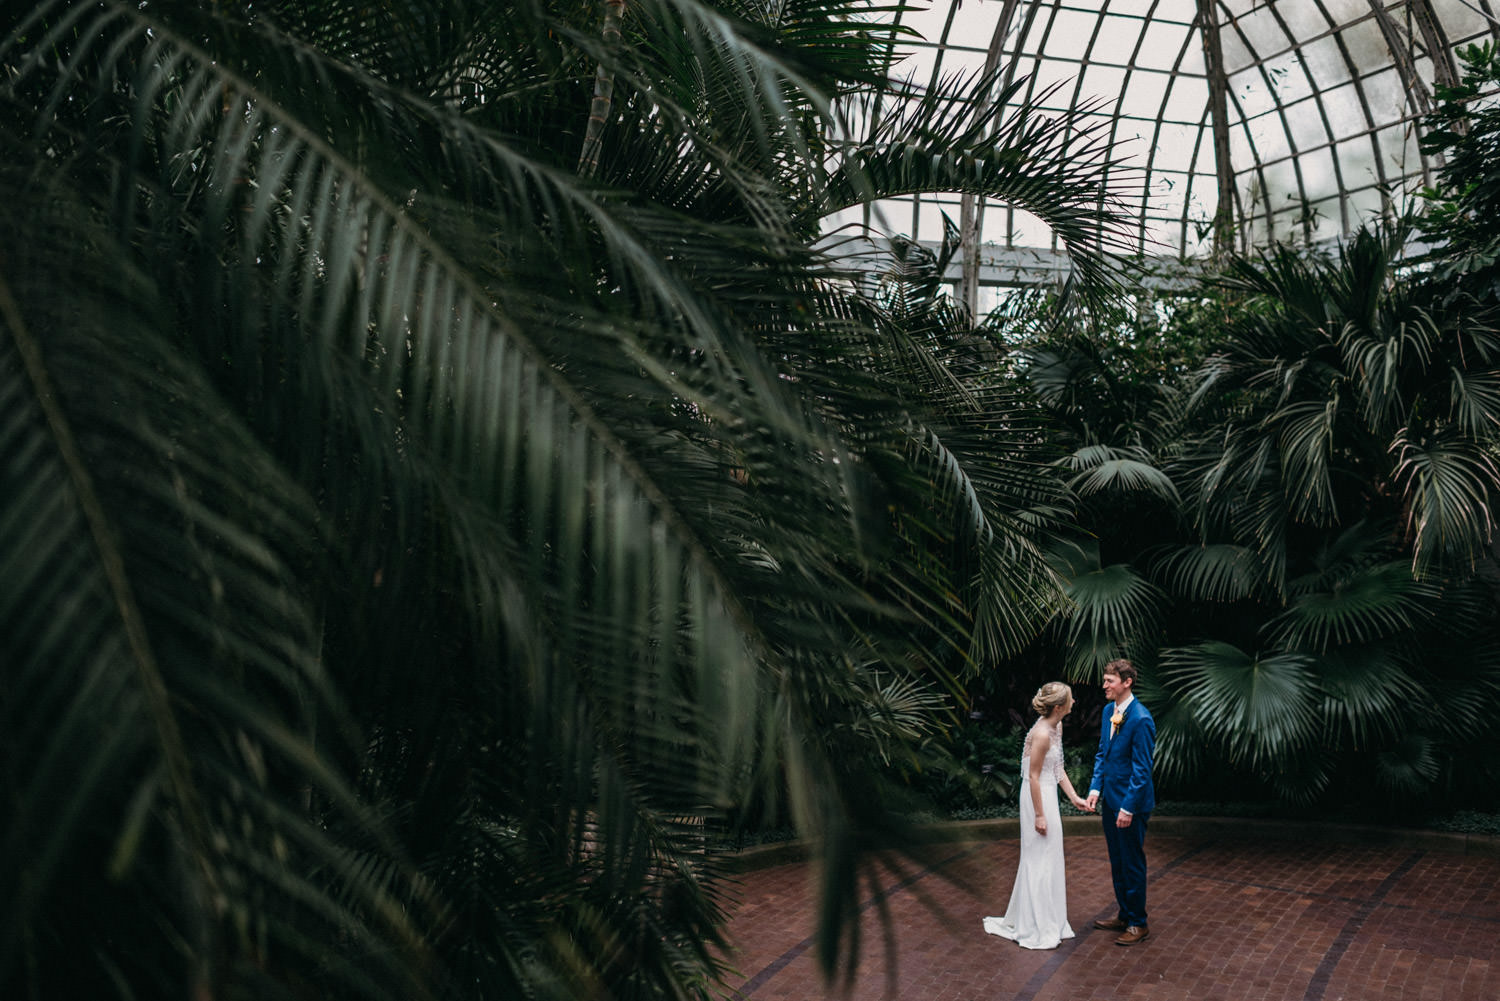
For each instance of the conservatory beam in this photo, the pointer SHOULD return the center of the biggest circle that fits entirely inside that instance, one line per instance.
(1401, 56)
(1218, 113)
(971, 206)
(1444, 69)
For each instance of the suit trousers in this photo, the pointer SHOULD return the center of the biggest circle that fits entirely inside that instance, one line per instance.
(1127, 862)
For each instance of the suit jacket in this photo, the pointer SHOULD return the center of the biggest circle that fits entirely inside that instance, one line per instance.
(1122, 768)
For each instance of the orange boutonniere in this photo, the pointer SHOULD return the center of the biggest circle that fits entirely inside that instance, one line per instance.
(1115, 721)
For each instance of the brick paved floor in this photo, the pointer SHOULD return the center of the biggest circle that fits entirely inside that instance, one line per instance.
(1231, 920)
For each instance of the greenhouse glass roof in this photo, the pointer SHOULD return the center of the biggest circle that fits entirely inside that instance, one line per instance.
(1321, 103)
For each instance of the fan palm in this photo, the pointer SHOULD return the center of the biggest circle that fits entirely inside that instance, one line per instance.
(1304, 470)
(1351, 396)
(1292, 540)
(425, 512)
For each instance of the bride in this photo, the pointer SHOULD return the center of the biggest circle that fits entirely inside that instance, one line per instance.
(1037, 916)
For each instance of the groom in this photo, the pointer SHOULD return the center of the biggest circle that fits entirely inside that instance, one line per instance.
(1122, 781)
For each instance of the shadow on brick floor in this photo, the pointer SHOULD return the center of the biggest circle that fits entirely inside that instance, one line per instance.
(1253, 910)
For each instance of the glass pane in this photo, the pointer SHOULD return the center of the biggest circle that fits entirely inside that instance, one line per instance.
(930, 218)
(973, 23)
(927, 22)
(1344, 11)
(1463, 23)
(1268, 137)
(852, 217)
(1262, 29)
(1259, 229)
(1398, 149)
(1051, 73)
(1345, 109)
(1240, 151)
(1237, 58)
(1304, 20)
(1103, 82)
(1202, 203)
(892, 215)
(1145, 93)
(1318, 177)
(1251, 95)
(1365, 204)
(1385, 96)
(1072, 30)
(1117, 38)
(1357, 162)
(1175, 145)
(1305, 124)
(1198, 242)
(1193, 61)
(1366, 45)
(1181, 11)
(1422, 67)
(1233, 10)
(1162, 45)
(1326, 63)
(1169, 237)
(1327, 219)
(1279, 186)
(1029, 231)
(1289, 78)
(1187, 101)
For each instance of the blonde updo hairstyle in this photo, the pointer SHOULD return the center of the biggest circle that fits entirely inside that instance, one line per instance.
(1050, 696)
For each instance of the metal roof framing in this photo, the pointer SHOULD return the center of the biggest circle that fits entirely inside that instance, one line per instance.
(1255, 120)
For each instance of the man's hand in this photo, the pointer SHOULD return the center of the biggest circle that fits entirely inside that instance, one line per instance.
(1092, 802)
(1123, 820)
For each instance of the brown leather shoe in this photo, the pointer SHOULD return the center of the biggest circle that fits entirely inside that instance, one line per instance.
(1133, 934)
(1113, 924)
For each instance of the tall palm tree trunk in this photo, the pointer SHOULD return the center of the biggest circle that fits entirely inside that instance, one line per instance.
(604, 87)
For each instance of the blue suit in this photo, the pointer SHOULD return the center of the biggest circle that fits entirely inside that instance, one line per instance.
(1122, 774)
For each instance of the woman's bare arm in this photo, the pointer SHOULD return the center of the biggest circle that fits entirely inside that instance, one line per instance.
(1041, 740)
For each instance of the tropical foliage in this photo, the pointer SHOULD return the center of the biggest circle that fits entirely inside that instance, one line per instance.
(1464, 132)
(443, 474)
(1293, 534)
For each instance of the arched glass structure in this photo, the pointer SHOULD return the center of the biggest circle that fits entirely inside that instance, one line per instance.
(1251, 120)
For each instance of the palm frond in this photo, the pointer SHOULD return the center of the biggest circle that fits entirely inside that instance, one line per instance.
(1211, 571)
(1408, 769)
(1115, 611)
(172, 561)
(1448, 480)
(1366, 690)
(1184, 752)
(602, 535)
(1385, 358)
(966, 134)
(1474, 399)
(1105, 470)
(1351, 605)
(1305, 435)
(1260, 708)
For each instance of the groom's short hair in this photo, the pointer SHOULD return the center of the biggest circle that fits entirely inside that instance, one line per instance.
(1122, 669)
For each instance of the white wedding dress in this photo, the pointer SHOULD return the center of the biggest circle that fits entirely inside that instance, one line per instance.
(1037, 917)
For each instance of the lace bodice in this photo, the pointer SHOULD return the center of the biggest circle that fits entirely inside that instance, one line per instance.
(1052, 764)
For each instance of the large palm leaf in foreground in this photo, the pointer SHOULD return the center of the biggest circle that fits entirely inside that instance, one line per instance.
(412, 543)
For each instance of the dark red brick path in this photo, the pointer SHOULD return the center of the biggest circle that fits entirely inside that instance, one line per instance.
(1237, 920)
